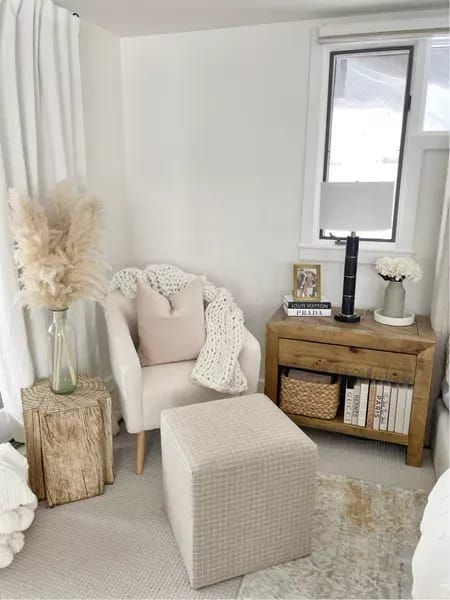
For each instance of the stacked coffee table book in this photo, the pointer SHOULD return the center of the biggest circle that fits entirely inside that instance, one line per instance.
(306, 308)
(378, 405)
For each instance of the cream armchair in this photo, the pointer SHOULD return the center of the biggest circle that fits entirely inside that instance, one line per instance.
(145, 391)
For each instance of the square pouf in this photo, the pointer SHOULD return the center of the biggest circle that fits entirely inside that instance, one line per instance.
(239, 486)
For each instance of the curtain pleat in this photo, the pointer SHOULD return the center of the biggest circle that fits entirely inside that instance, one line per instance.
(440, 306)
(42, 143)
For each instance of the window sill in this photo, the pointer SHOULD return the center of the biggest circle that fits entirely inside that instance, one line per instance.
(369, 252)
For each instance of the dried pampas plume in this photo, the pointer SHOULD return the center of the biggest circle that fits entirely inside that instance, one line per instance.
(56, 248)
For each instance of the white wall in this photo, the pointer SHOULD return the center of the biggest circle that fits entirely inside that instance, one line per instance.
(103, 119)
(214, 134)
(105, 158)
(215, 125)
(429, 214)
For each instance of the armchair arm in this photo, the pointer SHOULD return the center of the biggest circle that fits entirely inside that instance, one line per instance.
(126, 368)
(250, 361)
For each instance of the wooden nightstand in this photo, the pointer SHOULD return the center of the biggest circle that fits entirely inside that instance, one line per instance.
(364, 349)
(68, 440)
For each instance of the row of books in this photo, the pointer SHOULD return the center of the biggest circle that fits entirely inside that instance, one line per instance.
(378, 405)
(306, 308)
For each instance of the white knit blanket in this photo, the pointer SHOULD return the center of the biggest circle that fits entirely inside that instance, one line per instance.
(17, 503)
(217, 366)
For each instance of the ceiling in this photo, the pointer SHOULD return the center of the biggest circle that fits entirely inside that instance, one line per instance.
(143, 17)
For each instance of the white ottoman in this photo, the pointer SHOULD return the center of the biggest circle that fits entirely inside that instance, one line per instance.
(239, 485)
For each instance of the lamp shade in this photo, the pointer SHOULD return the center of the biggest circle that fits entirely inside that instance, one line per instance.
(358, 206)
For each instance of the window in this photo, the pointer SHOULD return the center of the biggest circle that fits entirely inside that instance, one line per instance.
(368, 103)
(376, 105)
(437, 103)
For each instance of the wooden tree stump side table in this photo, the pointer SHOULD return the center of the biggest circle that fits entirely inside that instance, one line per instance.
(68, 440)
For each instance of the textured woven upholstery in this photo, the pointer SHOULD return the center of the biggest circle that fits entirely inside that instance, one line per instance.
(239, 485)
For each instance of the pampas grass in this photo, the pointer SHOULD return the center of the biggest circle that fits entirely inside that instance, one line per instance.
(57, 248)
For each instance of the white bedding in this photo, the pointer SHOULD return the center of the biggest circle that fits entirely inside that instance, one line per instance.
(431, 560)
(441, 429)
(441, 439)
(17, 503)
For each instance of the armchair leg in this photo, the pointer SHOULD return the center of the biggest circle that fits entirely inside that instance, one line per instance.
(140, 452)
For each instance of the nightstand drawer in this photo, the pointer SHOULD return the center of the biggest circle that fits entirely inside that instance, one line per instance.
(348, 360)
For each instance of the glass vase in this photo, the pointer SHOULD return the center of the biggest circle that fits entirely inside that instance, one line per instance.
(62, 354)
(394, 299)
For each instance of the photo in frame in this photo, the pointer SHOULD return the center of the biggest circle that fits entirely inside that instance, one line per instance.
(307, 283)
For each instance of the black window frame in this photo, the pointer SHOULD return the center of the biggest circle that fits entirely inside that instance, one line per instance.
(406, 107)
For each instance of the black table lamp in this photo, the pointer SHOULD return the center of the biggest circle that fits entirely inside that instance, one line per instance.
(347, 313)
(363, 206)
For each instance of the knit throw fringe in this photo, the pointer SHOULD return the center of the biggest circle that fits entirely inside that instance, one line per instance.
(217, 366)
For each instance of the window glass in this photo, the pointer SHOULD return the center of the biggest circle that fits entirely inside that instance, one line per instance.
(365, 124)
(437, 105)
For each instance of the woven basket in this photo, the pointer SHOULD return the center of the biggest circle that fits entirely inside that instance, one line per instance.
(319, 400)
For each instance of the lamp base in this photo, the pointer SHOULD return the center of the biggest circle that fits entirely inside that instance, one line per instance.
(347, 318)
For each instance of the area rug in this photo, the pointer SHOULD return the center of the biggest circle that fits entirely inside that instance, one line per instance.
(364, 536)
(120, 545)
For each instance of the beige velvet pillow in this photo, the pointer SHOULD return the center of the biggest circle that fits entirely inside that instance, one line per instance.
(170, 329)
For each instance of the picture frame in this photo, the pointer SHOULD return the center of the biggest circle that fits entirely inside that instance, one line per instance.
(307, 282)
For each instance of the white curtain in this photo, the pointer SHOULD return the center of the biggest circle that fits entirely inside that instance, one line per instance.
(41, 143)
(440, 307)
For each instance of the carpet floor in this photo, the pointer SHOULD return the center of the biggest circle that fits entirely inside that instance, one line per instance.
(120, 545)
(371, 460)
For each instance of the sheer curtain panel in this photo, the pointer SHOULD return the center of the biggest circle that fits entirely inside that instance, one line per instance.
(41, 143)
(440, 306)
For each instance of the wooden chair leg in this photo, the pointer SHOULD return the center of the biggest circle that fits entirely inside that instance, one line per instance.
(140, 452)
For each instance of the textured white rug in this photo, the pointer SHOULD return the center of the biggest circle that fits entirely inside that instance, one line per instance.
(120, 545)
(363, 541)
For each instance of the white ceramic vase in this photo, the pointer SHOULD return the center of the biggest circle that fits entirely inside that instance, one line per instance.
(394, 300)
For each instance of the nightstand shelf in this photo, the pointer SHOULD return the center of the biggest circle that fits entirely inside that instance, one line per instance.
(366, 349)
(337, 425)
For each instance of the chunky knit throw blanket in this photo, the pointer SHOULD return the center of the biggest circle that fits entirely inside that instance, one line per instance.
(217, 366)
(17, 503)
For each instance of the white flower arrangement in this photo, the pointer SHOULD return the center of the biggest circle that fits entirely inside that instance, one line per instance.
(398, 269)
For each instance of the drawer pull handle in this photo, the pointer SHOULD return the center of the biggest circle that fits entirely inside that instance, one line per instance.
(352, 349)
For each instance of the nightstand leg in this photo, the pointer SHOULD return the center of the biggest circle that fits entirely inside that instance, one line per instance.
(419, 410)
(271, 375)
(414, 455)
